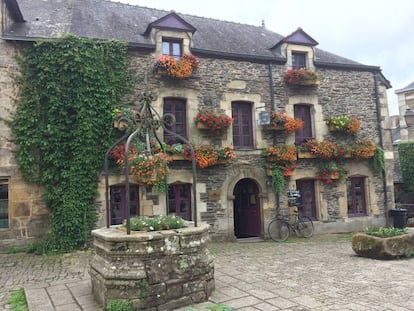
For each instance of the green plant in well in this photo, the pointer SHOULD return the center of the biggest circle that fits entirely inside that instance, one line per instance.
(385, 232)
(62, 127)
(156, 223)
(18, 300)
(120, 305)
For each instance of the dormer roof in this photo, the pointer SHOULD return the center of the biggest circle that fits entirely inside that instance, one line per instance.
(171, 21)
(298, 37)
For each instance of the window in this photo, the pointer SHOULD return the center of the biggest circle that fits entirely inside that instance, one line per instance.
(118, 203)
(179, 200)
(4, 203)
(176, 107)
(298, 60)
(242, 125)
(303, 112)
(171, 47)
(307, 190)
(356, 196)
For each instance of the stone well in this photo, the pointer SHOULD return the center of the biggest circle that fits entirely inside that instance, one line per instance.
(383, 248)
(159, 270)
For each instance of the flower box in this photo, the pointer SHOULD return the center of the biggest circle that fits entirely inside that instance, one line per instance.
(301, 77)
(166, 65)
(223, 161)
(202, 126)
(306, 155)
(177, 157)
(279, 128)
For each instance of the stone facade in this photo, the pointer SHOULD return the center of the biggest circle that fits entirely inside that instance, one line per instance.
(217, 84)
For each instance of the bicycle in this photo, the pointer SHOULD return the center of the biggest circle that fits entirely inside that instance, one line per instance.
(280, 228)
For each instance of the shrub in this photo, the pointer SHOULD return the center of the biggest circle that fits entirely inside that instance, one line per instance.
(120, 305)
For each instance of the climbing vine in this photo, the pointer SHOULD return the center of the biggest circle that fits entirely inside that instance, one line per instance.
(62, 127)
(406, 156)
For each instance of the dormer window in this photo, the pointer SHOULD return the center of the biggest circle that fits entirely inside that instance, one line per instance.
(298, 60)
(172, 47)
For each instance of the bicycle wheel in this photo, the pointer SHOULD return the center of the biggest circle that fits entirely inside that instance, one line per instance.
(278, 230)
(305, 226)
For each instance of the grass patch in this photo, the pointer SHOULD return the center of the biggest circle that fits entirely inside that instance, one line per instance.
(18, 300)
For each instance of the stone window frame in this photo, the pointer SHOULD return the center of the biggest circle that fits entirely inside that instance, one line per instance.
(5, 215)
(307, 50)
(251, 146)
(171, 42)
(158, 36)
(185, 124)
(188, 200)
(364, 194)
(122, 189)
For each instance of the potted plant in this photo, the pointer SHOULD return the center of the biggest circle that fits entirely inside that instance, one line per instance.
(330, 171)
(281, 121)
(167, 65)
(302, 76)
(364, 149)
(225, 154)
(216, 122)
(322, 149)
(146, 168)
(343, 123)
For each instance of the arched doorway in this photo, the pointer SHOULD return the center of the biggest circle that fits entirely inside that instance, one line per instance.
(246, 209)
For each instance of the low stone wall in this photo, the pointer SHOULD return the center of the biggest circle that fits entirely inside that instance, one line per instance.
(157, 271)
(383, 248)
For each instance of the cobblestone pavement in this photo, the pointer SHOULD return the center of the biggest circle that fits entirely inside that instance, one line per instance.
(321, 273)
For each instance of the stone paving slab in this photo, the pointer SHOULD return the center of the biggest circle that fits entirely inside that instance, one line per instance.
(322, 273)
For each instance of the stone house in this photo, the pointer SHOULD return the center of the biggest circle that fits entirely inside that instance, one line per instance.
(241, 73)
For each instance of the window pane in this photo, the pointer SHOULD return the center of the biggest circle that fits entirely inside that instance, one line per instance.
(298, 60)
(176, 49)
(4, 205)
(242, 125)
(176, 107)
(166, 48)
(179, 199)
(303, 112)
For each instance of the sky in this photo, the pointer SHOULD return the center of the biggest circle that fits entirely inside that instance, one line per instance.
(372, 32)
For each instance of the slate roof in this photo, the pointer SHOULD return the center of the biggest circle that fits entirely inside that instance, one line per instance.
(102, 19)
(409, 87)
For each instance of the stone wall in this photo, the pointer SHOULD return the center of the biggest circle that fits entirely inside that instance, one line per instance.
(157, 271)
(28, 217)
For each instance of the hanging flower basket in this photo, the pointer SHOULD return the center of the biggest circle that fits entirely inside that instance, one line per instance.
(283, 122)
(330, 171)
(217, 123)
(166, 65)
(280, 157)
(303, 76)
(344, 124)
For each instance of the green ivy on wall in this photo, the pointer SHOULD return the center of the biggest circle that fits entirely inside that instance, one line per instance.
(406, 155)
(62, 127)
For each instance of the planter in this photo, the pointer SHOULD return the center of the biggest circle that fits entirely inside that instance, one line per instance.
(383, 248)
(178, 157)
(306, 155)
(223, 161)
(202, 126)
(331, 176)
(160, 270)
(279, 128)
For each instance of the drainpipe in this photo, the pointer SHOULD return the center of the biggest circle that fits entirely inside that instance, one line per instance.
(381, 141)
(273, 107)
